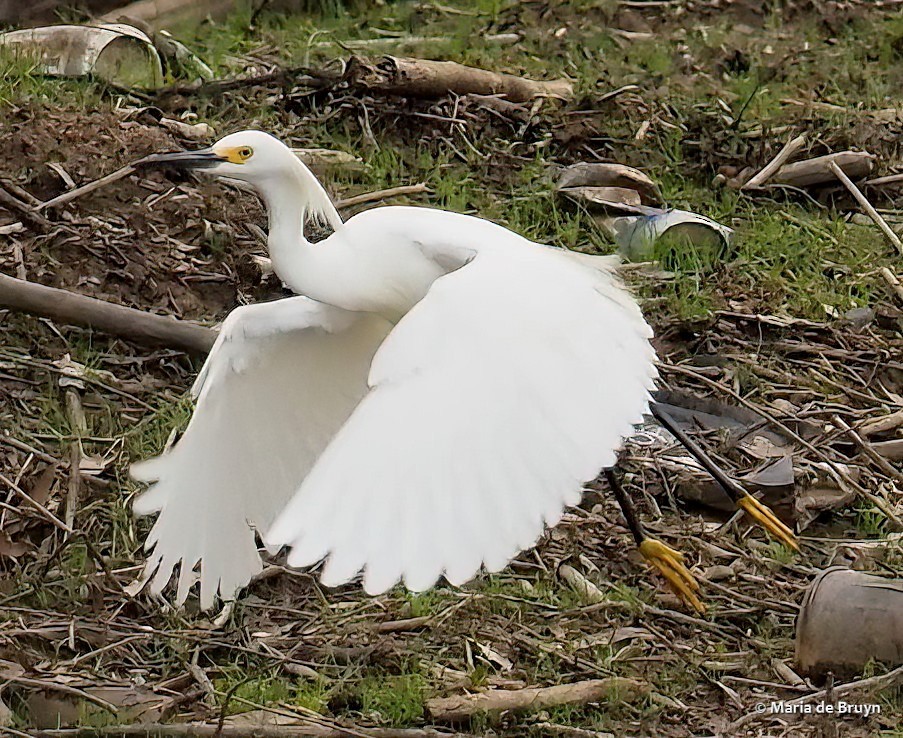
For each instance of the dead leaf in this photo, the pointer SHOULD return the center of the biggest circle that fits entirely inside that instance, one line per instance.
(8, 547)
(775, 474)
(40, 490)
(494, 657)
(818, 499)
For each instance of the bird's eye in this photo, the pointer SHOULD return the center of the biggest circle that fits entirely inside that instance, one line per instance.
(245, 153)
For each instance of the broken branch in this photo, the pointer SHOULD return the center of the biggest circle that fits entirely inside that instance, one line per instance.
(432, 79)
(28, 213)
(462, 707)
(118, 320)
(348, 202)
(866, 205)
(85, 189)
(894, 284)
(783, 156)
(203, 730)
(856, 164)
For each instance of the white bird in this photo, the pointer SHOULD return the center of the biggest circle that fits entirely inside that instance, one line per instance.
(436, 396)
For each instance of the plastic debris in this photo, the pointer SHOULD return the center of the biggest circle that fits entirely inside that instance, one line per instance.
(849, 619)
(637, 236)
(116, 53)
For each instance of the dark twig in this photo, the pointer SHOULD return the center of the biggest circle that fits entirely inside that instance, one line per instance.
(28, 213)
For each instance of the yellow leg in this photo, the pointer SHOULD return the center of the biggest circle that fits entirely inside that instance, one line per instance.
(671, 565)
(765, 517)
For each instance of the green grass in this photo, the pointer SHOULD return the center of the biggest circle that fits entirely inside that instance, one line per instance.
(21, 81)
(395, 700)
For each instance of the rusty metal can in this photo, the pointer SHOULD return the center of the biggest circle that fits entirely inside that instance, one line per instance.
(847, 619)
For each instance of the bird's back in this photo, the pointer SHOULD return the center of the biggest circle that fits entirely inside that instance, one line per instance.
(395, 253)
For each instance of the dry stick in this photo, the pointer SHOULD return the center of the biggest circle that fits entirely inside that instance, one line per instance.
(867, 206)
(85, 189)
(20, 192)
(869, 450)
(27, 448)
(839, 473)
(28, 213)
(882, 424)
(462, 707)
(892, 282)
(201, 730)
(57, 687)
(68, 530)
(31, 502)
(381, 195)
(878, 181)
(402, 41)
(785, 154)
(75, 309)
(878, 683)
(78, 426)
(433, 79)
(818, 170)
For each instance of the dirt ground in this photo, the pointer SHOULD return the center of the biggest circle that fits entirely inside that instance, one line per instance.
(768, 355)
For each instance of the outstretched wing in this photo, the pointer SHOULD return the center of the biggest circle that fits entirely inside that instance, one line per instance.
(509, 385)
(281, 379)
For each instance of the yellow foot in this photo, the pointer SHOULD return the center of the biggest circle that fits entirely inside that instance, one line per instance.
(765, 517)
(671, 565)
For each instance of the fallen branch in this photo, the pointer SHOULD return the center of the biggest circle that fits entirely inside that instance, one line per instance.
(412, 41)
(118, 320)
(867, 206)
(414, 189)
(869, 449)
(884, 424)
(27, 212)
(892, 450)
(874, 684)
(893, 284)
(462, 707)
(85, 189)
(855, 164)
(159, 14)
(204, 730)
(881, 181)
(783, 156)
(432, 79)
(884, 115)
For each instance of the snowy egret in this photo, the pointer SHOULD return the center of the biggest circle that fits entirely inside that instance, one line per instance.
(438, 393)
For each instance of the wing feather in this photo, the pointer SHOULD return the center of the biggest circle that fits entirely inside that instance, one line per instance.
(492, 402)
(280, 381)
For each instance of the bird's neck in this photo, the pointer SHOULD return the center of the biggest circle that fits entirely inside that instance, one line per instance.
(291, 203)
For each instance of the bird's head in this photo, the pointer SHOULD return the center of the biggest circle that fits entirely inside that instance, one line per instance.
(251, 156)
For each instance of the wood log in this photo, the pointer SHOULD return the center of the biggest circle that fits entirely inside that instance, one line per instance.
(883, 424)
(892, 450)
(118, 320)
(299, 729)
(19, 12)
(462, 707)
(855, 164)
(432, 79)
(160, 14)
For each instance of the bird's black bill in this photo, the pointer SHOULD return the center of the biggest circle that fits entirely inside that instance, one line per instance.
(201, 159)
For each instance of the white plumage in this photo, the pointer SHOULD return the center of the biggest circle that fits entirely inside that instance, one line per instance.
(439, 395)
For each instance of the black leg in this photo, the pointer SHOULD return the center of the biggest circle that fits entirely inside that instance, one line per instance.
(670, 563)
(759, 512)
(628, 509)
(731, 488)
